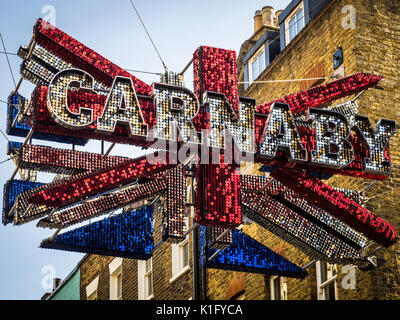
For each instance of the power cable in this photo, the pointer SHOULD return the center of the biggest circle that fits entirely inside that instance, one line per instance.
(8, 61)
(148, 34)
(9, 53)
(4, 161)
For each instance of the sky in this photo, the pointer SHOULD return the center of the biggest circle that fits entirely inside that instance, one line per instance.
(112, 28)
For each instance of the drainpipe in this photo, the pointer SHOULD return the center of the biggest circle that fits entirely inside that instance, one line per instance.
(195, 247)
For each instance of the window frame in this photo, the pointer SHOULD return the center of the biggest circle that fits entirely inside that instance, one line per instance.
(91, 289)
(256, 56)
(115, 268)
(290, 17)
(143, 275)
(177, 253)
(92, 296)
(148, 276)
(331, 277)
(282, 287)
(119, 285)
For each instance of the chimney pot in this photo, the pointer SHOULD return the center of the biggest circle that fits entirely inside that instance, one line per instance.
(268, 16)
(277, 14)
(257, 20)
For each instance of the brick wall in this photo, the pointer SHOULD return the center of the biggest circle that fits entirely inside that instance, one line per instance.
(374, 47)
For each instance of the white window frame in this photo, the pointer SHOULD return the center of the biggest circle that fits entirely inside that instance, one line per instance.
(331, 277)
(115, 268)
(289, 18)
(178, 252)
(91, 289)
(250, 62)
(143, 278)
(283, 287)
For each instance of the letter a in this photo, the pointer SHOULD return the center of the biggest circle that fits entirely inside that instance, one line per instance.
(281, 133)
(122, 106)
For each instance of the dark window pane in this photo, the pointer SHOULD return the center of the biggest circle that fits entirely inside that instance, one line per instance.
(277, 289)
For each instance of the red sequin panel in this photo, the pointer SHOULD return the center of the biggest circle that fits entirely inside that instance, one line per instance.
(338, 205)
(101, 181)
(215, 70)
(218, 194)
(103, 205)
(64, 161)
(82, 57)
(26, 212)
(325, 93)
(43, 122)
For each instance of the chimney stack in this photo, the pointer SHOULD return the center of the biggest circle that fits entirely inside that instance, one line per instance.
(268, 16)
(258, 20)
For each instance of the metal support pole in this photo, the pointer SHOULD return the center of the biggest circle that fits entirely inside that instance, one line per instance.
(110, 149)
(51, 213)
(12, 210)
(374, 250)
(14, 173)
(186, 67)
(218, 238)
(17, 86)
(369, 186)
(358, 96)
(214, 255)
(28, 137)
(55, 235)
(190, 229)
(204, 286)
(27, 209)
(268, 184)
(196, 267)
(31, 51)
(309, 265)
(15, 120)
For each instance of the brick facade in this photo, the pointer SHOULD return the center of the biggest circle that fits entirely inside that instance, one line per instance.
(374, 47)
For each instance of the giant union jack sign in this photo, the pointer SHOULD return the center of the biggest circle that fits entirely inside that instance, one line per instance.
(300, 140)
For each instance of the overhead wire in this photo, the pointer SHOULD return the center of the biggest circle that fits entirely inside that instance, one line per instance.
(4, 161)
(148, 34)
(8, 60)
(9, 53)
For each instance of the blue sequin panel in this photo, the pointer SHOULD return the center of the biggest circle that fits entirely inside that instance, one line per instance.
(22, 129)
(10, 192)
(13, 146)
(247, 255)
(128, 235)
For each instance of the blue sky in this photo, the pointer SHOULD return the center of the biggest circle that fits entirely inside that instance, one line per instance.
(112, 28)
